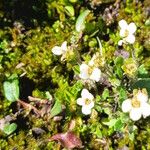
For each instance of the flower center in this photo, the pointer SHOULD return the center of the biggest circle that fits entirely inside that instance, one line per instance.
(90, 70)
(135, 103)
(87, 101)
(126, 33)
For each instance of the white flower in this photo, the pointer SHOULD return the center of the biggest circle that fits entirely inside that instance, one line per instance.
(86, 101)
(90, 71)
(137, 106)
(60, 50)
(127, 32)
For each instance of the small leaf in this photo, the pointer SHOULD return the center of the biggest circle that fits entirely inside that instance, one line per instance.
(118, 125)
(11, 88)
(10, 128)
(98, 132)
(111, 123)
(118, 61)
(122, 94)
(80, 23)
(70, 10)
(105, 94)
(142, 72)
(147, 22)
(48, 95)
(56, 109)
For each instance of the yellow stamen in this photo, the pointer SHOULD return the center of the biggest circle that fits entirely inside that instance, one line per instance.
(87, 101)
(126, 33)
(135, 103)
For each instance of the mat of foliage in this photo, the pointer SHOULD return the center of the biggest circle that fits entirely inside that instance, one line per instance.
(67, 68)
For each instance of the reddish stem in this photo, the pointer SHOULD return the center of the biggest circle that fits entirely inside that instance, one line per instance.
(29, 106)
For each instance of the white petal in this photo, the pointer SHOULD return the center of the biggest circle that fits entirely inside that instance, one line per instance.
(123, 24)
(145, 110)
(64, 46)
(80, 101)
(131, 28)
(130, 38)
(126, 105)
(96, 74)
(142, 97)
(86, 94)
(86, 110)
(120, 42)
(135, 114)
(91, 62)
(57, 50)
(122, 32)
(84, 71)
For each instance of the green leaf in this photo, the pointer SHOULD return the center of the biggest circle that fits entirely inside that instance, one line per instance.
(119, 72)
(10, 128)
(56, 109)
(70, 10)
(142, 72)
(80, 23)
(11, 88)
(118, 61)
(147, 22)
(111, 123)
(122, 94)
(48, 95)
(118, 125)
(98, 132)
(105, 94)
(142, 83)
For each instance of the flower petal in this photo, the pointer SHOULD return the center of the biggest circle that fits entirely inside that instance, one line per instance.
(135, 114)
(122, 33)
(120, 42)
(131, 28)
(86, 94)
(145, 110)
(64, 46)
(126, 105)
(57, 50)
(130, 38)
(84, 71)
(142, 97)
(80, 101)
(86, 110)
(96, 74)
(123, 24)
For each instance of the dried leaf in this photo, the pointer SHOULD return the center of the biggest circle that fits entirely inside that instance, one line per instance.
(69, 140)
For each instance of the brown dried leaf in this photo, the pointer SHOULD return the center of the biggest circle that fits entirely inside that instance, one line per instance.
(68, 140)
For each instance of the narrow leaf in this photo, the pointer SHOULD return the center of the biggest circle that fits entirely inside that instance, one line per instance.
(56, 109)
(80, 23)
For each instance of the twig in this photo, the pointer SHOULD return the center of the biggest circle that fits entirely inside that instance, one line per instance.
(30, 107)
